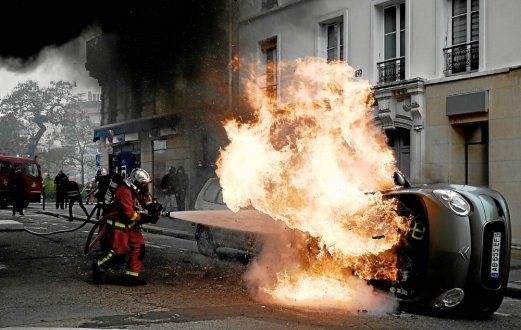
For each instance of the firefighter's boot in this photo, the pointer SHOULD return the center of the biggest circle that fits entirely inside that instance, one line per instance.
(97, 274)
(133, 281)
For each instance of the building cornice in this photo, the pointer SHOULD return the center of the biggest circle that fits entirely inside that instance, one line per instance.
(470, 75)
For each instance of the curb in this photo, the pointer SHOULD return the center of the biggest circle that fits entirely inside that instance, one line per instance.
(513, 289)
(11, 225)
(515, 251)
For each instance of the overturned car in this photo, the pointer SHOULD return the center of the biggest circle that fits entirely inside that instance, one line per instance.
(457, 256)
(454, 260)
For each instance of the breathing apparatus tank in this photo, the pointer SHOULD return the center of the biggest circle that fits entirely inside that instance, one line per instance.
(115, 182)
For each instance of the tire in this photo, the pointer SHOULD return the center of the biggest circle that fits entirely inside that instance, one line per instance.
(205, 244)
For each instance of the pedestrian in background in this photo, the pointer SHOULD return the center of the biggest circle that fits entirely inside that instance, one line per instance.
(60, 191)
(89, 189)
(102, 184)
(168, 188)
(181, 188)
(19, 192)
(72, 190)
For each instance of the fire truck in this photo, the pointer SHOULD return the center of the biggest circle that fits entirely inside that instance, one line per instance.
(31, 173)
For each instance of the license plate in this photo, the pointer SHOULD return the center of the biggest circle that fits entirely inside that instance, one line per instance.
(496, 248)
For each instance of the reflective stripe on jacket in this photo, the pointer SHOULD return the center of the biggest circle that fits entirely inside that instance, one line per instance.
(120, 225)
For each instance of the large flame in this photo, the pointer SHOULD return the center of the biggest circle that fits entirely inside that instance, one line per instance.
(315, 160)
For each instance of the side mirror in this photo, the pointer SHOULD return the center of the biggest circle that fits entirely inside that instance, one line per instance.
(400, 180)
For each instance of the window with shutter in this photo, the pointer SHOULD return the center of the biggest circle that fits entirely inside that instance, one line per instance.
(463, 55)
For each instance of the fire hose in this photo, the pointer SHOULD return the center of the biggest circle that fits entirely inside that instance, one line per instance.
(99, 205)
(154, 209)
(88, 244)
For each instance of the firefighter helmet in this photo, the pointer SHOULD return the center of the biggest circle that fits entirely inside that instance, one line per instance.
(140, 177)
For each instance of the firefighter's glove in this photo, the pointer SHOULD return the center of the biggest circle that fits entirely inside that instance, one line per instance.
(148, 218)
(154, 208)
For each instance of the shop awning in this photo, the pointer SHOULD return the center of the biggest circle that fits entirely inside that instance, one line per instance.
(104, 132)
(136, 125)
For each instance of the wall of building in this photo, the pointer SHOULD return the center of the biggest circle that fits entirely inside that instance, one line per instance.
(417, 103)
(501, 40)
(445, 161)
(296, 27)
(165, 86)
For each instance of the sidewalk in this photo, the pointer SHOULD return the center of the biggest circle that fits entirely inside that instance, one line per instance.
(185, 230)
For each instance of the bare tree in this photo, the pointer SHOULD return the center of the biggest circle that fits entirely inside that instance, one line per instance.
(54, 159)
(52, 122)
(37, 106)
(12, 139)
(77, 135)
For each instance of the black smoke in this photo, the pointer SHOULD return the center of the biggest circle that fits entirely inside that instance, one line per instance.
(148, 33)
(27, 27)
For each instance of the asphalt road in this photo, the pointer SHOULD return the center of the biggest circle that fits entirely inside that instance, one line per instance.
(45, 281)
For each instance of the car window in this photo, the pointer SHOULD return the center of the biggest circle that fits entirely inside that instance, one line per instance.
(213, 189)
(17, 167)
(220, 197)
(6, 168)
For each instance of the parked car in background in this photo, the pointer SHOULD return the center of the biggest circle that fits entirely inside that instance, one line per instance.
(456, 257)
(210, 238)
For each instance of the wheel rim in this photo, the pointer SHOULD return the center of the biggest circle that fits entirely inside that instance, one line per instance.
(205, 243)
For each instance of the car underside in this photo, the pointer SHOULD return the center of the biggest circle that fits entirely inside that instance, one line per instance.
(451, 263)
(454, 260)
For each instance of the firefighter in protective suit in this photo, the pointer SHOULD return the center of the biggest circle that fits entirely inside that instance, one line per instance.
(127, 201)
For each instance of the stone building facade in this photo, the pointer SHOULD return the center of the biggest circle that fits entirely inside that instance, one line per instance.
(445, 76)
(165, 88)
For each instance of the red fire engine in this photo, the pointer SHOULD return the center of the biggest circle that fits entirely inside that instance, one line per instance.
(30, 172)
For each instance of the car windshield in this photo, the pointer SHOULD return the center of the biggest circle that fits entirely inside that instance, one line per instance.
(32, 169)
(212, 192)
(220, 197)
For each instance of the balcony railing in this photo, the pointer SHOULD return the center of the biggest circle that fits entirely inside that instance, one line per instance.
(391, 70)
(461, 58)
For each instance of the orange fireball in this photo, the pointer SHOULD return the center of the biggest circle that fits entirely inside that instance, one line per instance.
(315, 160)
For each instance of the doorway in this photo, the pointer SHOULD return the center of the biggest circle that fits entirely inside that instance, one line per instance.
(159, 163)
(476, 153)
(400, 140)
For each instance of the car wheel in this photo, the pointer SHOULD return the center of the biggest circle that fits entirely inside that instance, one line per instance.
(205, 244)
